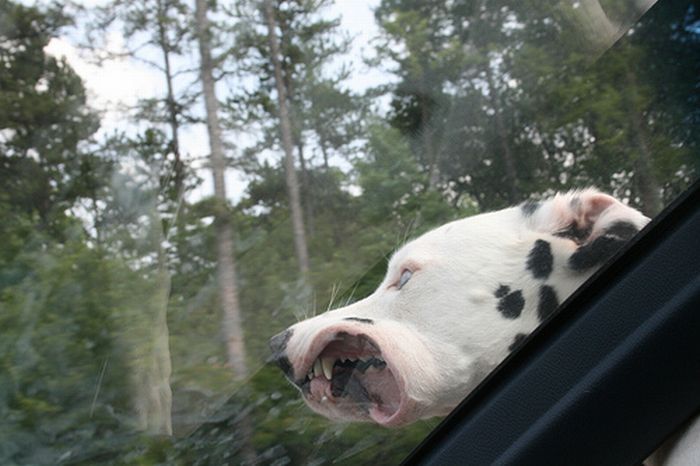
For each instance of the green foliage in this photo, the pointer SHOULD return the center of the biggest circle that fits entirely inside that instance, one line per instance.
(327, 117)
(617, 111)
(283, 434)
(43, 117)
(60, 332)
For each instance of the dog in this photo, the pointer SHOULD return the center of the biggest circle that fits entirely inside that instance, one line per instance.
(453, 304)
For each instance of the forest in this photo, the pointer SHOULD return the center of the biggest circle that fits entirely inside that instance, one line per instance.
(138, 292)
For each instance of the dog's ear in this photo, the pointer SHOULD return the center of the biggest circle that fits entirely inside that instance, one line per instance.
(598, 224)
(583, 216)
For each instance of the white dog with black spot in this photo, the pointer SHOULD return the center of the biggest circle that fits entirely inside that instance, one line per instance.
(453, 304)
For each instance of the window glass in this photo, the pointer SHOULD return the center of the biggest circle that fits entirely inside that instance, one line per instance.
(181, 181)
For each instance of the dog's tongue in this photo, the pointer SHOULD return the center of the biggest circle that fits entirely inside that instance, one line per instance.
(374, 390)
(383, 389)
(319, 388)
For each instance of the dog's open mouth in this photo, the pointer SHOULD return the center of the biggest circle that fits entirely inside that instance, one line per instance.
(350, 377)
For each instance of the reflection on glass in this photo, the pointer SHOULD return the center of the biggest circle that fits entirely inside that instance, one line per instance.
(137, 296)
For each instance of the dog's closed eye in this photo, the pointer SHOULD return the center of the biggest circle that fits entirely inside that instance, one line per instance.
(405, 277)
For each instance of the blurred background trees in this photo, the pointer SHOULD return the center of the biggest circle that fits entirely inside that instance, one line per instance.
(112, 299)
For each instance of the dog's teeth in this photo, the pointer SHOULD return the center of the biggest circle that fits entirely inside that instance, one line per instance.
(327, 364)
(318, 368)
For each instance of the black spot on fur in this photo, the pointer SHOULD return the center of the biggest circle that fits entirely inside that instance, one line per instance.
(517, 341)
(575, 233)
(594, 253)
(529, 207)
(540, 259)
(361, 320)
(284, 364)
(602, 248)
(511, 304)
(623, 230)
(548, 302)
(278, 344)
(502, 291)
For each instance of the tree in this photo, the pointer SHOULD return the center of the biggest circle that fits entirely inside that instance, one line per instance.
(160, 26)
(228, 293)
(607, 123)
(324, 116)
(418, 37)
(55, 283)
(44, 119)
(154, 25)
(133, 232)
(300, 244)
(226, 269)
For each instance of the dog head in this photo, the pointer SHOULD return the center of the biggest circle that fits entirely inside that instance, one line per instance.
(454, 302)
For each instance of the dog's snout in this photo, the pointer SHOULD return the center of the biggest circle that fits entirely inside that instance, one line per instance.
(278, 345)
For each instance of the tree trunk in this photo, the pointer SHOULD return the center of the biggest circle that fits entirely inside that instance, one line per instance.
(97, 220)
(337, 234)
(145, 333)
(306, 192)
(324, 149)
(592, 24)
(431, 155)
(647, 183)
(226, 271)
(170, 100)
(152, 370)
(305, 188)
(300, 244)
(511, 172)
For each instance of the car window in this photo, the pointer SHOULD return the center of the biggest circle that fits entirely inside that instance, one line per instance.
(182, 181)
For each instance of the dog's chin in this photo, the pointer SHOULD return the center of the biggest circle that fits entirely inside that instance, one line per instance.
(350, 377)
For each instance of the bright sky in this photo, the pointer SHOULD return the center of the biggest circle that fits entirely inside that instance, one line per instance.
(117, 84)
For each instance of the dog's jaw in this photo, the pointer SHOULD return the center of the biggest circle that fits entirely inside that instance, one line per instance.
(396, 389)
